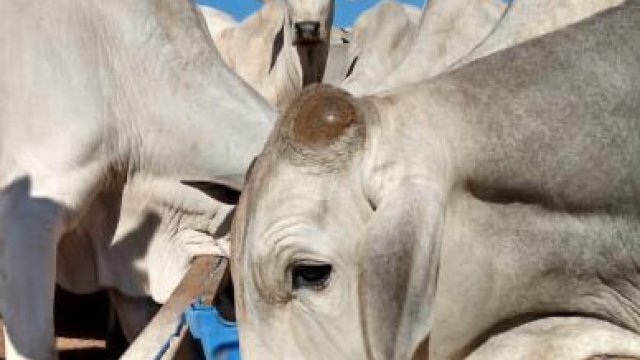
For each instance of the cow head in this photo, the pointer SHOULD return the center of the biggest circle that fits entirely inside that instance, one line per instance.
(323, 265)
(310, 20)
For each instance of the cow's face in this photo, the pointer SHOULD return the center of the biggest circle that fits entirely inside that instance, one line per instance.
(310, 20)
(332, 246)
(297, 232)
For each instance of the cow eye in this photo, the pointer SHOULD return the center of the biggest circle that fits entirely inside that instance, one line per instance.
(310, 276)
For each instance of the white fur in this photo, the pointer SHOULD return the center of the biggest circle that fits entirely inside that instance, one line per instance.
(382, 36)
(454, 32)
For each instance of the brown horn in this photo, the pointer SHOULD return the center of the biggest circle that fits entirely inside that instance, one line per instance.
(321, 115)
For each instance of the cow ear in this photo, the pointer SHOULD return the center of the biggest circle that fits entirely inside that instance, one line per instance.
(399, 266)
(221, 193)
(278, 43)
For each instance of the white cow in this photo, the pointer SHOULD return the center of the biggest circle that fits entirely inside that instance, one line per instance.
(105, 106)
(382, 37)
(455, 32)
(493, 211)
(311, 21)
(280, 48)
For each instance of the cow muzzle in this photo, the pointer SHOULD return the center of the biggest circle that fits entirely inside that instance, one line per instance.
(307, 33)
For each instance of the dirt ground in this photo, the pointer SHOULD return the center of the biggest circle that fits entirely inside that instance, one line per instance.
(70, 348)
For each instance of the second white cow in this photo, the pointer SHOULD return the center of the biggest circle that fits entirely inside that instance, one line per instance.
(280, 48)
(105, 107)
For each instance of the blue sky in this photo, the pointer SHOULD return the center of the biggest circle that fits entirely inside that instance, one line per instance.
(346, 10)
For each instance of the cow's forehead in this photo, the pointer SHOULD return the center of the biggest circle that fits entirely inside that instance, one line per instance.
(318, 135)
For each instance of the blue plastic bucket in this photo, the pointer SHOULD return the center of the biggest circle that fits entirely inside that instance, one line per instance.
(218, 337)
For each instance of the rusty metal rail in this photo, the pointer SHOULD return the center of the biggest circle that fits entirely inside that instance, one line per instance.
(203, 279)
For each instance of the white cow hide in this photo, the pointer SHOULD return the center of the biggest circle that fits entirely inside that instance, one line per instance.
(105, 106)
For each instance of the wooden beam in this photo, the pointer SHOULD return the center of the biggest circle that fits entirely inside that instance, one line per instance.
(203, 279)
(183, 347)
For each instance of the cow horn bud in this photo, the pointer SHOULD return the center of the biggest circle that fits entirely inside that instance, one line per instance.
(321, 115)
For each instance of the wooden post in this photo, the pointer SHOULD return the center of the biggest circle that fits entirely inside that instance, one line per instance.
(203, 279)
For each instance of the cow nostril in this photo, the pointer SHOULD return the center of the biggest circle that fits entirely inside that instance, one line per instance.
(307, 29)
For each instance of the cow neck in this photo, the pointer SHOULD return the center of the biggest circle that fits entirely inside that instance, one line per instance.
(510, 117)
(149, 75)
(181, 112)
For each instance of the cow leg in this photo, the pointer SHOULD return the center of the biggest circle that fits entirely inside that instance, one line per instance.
(34, 214)
(561, 338)
(29, 231)
(134, 313)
